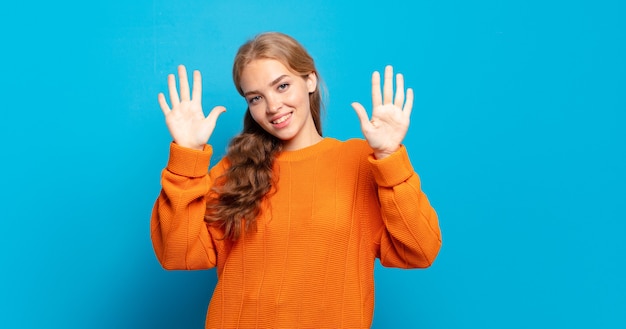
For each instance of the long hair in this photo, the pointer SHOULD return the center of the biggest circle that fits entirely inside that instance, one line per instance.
(235, 199)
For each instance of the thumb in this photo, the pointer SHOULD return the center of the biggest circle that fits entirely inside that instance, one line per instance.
(215, 113)
(360, 112)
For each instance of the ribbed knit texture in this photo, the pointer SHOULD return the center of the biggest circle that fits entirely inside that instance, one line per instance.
(310, 262)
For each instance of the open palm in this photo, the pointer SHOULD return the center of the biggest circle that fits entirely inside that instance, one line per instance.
(185, 119)
(389, 123)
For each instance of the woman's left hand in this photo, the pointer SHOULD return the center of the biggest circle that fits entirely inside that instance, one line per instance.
(386, 129)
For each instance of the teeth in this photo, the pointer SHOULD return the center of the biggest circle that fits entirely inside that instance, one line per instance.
(281, 119)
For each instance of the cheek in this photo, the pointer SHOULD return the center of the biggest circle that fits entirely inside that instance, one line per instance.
(256, 113)
(298, 98)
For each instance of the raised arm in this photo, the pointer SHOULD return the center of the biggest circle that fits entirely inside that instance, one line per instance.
(409, 235)
(180, 237)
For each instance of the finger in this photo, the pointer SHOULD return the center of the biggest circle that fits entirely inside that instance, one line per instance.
(376, 95)
(399, 100)
(184, 83)
(388, 85)
(171, 85)
(163, 103)
(196, 93)
(361, 113)
(408, 106)
(215, 113)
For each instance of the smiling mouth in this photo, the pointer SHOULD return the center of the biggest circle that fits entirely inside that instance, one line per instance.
(282, 119)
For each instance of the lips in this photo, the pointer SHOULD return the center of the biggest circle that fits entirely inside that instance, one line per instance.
(282, 118)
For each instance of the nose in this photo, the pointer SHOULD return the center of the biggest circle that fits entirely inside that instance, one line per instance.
(273, 104)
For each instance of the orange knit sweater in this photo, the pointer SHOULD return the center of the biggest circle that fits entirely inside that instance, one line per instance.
(310, 262)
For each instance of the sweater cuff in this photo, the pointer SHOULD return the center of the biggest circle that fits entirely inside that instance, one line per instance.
(392, 170)
(189, 162)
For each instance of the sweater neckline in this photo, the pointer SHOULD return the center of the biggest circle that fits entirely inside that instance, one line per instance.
(307, 152)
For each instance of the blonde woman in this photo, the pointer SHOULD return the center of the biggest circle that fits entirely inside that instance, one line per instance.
(293, 220)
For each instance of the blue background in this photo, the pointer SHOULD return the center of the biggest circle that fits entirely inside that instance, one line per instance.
(517, 132)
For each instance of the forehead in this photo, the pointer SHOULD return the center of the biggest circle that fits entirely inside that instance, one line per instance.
(261, 73)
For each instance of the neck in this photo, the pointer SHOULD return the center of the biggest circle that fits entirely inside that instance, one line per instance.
(302, 141)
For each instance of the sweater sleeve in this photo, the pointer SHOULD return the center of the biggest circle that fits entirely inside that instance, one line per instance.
(410, 236)
(180, 237)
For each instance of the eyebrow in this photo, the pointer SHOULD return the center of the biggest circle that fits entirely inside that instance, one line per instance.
(275, 81)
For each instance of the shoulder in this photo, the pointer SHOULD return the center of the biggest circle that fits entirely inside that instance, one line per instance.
(351, 153)
(328, 148)
(355, 147)
(352, 143)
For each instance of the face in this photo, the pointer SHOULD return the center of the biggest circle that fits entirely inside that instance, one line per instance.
(278, 99)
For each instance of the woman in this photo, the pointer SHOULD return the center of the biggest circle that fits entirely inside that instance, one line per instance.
(293, 221)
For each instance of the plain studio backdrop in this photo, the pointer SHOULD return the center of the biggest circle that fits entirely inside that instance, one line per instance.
(517, 133)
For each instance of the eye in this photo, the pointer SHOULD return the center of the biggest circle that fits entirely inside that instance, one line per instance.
(254, 100)
(283, 86)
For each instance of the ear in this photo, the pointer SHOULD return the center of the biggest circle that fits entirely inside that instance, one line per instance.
(311, 82)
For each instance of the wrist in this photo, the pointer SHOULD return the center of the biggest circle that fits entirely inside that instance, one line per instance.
(381, 154)
(190, 146)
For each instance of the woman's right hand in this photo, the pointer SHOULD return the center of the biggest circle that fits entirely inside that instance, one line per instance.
(185, 119)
